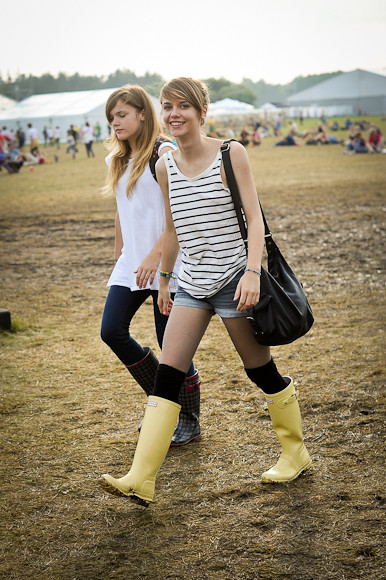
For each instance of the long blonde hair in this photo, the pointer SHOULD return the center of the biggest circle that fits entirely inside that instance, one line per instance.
(120, 151)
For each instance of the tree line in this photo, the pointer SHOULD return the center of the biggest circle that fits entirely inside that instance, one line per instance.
(248, 91)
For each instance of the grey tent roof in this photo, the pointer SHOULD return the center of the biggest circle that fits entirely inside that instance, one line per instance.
(355, 84)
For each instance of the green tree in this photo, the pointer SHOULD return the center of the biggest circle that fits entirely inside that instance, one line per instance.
(239, 92)
(215, 87)
(255, 93)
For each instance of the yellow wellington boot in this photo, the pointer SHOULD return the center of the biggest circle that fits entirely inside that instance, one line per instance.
(286, 420)
(158, 426)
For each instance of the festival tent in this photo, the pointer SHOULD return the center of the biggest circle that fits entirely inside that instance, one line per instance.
(268, 112)
(5, 103)
(354, 93)
(269, 107)
(229, 107)
(61, 110)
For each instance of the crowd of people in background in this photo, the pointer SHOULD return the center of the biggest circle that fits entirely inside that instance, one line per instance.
(321, 134)
(24, 148)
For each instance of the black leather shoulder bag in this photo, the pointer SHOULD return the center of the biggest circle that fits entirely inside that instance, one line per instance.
(283, 313)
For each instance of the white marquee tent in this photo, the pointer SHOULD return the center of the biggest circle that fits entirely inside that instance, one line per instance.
(227, 109)
(269, 107)
(5, 103)
(60, 110)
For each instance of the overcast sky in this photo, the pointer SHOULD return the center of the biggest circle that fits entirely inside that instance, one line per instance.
(274, 40)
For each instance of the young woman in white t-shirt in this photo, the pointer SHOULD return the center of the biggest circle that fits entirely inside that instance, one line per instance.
(139, 226)
(216, 276)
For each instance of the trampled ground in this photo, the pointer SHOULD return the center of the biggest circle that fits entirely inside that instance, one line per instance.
(70, 411)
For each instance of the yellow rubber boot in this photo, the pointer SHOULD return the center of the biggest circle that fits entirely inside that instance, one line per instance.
(286, 420)
(158, 426)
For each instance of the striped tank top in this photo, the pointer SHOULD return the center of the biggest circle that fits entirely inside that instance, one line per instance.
(205, 221)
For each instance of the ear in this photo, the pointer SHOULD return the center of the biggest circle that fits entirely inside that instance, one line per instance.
(203, 115)
(142, 115)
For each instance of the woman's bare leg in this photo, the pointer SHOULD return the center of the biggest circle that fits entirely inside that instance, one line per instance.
(185, 328)
(250, 351)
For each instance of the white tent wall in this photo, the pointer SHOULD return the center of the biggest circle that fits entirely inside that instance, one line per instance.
(62, 121)
(61, 110)
(316, 111)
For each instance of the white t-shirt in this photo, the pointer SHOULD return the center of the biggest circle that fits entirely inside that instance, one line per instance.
(32, 133)
(87, 134)
(142, 221)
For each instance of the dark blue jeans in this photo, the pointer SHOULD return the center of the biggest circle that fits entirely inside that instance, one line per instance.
(120, 308)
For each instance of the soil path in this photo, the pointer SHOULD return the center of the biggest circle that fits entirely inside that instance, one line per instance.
(70, 411)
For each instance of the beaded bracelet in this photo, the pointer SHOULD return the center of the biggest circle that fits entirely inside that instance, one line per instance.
(251, 270)
(166, 274)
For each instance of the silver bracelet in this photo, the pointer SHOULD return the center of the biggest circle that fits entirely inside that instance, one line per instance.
(251, 270)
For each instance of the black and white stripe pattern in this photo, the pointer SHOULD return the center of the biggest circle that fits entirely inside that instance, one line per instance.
(213, 251)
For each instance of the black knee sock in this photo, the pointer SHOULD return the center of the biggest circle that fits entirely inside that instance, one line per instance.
(168, 382)
(267, 378)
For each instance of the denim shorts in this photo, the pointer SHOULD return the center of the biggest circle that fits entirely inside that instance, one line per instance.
(221, 303)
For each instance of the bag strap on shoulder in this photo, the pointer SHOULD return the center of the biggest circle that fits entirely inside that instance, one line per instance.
(232, 184)
(155, 155)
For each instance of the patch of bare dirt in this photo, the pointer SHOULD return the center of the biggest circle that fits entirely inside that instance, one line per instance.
(70, 412)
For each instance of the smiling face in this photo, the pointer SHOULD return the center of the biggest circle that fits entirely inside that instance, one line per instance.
(180, 116)
(126, 121)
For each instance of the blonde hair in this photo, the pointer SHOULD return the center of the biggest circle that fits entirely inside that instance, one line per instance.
(138, 98)
(194, 91)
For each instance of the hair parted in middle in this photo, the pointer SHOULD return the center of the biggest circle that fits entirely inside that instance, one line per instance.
(138, 98)
(194, 91)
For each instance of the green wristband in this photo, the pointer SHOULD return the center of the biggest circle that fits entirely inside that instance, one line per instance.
(166, 274)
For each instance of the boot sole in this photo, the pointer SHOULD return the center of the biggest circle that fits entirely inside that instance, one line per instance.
(302, 470)
(118, 493)
(195, 438)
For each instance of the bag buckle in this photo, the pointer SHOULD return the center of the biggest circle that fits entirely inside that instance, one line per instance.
(225, 146)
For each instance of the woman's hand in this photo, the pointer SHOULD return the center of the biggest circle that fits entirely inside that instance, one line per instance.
(247, 291)
(147, 270)
(165, 303)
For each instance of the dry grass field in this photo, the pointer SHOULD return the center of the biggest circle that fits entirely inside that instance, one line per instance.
(70, 411)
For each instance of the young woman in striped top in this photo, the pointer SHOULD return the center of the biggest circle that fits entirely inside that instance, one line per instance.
(215, 277)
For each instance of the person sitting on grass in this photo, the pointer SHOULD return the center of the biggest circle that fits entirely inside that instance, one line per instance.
(256, 139)
(325, 139)
(244, 137)
(288, 141)
(376, 140)
(3, 162)
(13, 158)
(358, 144)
